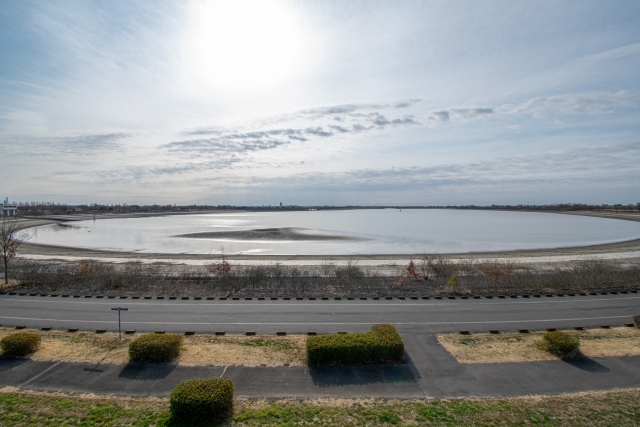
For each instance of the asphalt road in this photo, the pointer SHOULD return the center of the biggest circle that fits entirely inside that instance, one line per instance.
(430, 370)
(301, 316)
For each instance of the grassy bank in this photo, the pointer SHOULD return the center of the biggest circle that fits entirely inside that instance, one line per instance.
(610, 408)
(428, 276)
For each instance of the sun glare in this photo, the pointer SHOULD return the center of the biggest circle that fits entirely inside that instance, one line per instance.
(243, 45)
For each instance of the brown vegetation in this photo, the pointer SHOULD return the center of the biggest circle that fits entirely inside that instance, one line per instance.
(197, 350)
(517, 347)
(429, 276)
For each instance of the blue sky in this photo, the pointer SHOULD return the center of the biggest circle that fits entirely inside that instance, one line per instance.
(320, 102)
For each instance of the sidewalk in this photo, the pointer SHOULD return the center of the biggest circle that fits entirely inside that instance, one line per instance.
(430, 372)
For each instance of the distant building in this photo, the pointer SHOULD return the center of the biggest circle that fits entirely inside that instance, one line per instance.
(280, 204)
(9, 209)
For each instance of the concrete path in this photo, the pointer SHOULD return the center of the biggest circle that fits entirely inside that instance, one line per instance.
(430, 372)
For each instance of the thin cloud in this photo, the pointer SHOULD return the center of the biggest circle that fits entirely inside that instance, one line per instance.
(575, 103)
(77, 145)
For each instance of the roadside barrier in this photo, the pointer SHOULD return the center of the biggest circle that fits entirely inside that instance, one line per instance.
(73, 330)
(101, 331)
(578, 328)
(523, 331)
(635, 291)
(46, 328)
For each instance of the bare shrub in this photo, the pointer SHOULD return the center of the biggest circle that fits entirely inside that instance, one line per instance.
(429, 276)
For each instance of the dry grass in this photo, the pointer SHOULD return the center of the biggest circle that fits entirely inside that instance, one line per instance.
(517, 347)
(197, 350)
(260, 350)
(610, 408)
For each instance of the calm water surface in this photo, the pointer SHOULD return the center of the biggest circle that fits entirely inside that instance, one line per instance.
(388, 231)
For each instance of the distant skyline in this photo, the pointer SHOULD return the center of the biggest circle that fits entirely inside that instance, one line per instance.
(320, 102)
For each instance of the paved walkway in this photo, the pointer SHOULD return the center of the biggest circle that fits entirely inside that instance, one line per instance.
(430, 372)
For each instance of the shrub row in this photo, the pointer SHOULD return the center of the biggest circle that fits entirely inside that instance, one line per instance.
(200, 400)
(20, 343)
(561, 344)
(381, 345)
(155, 348)
(427, 276)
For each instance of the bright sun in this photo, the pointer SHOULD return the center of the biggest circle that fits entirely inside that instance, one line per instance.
(243, 45)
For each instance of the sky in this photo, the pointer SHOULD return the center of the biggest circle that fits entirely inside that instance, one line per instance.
(320, 102)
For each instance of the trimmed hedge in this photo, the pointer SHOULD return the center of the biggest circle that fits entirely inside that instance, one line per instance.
(381, 345)
(200, 400)
(561, 344)
(155, 348)
(20, 343)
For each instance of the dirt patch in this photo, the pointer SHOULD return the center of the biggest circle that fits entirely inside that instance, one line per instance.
(197, 350)
(517, 347)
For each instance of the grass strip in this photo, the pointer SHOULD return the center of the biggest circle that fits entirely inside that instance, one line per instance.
(609, 408)
(197, 350)
(517, 347)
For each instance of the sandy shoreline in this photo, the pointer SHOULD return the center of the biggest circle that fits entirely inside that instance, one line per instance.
(628, 250)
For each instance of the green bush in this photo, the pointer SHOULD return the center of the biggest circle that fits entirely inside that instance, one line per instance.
(389, 334)
(155, 348)
(560, 343)
(200, 400)
(381, 345)
(20, 343)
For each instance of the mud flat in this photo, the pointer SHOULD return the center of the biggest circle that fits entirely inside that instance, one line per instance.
(287, 233)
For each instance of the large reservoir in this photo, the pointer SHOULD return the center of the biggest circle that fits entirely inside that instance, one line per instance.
(338, 232)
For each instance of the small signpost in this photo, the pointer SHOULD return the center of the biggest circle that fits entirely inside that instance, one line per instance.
(120, 309)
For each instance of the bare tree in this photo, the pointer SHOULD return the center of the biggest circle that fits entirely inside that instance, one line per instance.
(10, 241)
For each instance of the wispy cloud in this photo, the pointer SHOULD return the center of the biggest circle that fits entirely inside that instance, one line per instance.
(575, 103)
(79, 145)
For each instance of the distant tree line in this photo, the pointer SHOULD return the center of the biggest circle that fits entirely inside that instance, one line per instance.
(51, 208)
